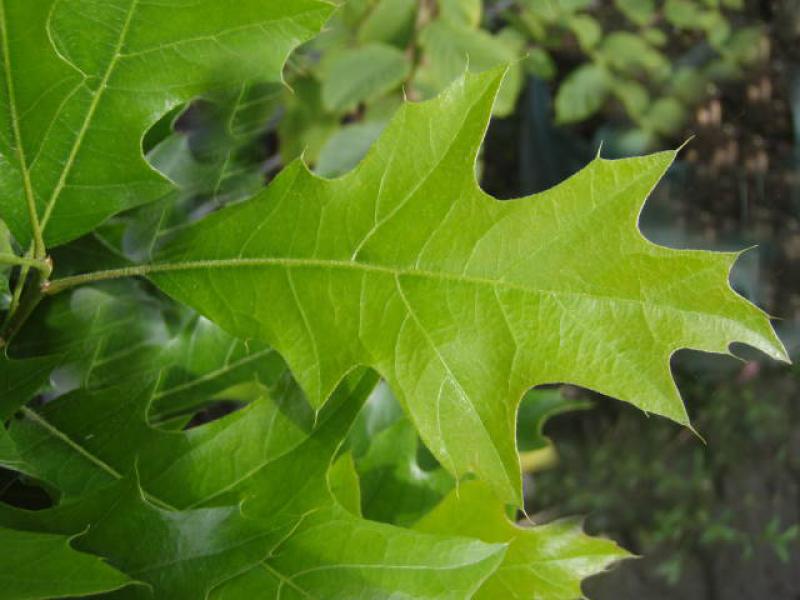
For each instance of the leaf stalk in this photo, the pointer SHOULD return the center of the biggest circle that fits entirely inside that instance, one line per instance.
(50, 288)
(45, 266)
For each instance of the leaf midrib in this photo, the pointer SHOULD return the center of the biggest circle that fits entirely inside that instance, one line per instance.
(60, 435)
(76, 145)
(95, 460)
(197, 381)
(56, 433)
(393, 272)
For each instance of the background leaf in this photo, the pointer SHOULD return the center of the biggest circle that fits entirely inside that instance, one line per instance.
(354, 76)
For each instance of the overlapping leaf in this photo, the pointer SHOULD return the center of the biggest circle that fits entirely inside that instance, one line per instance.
(288, 534)
(545, 562)
(399, 481)
(45, 566)
(84, 79)
(102, 335)
(393, 486)
(179, 554)
(462, 302)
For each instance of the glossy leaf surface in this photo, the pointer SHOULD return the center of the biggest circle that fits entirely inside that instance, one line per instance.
(39, 565)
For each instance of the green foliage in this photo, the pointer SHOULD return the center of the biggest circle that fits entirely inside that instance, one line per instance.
(201, 430)
(45, 566)
(583, 93)
(638, 63)
(351, 77)
(622, 59)
(548, 561)
(71, 133)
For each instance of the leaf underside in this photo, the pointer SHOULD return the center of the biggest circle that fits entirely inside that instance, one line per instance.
(459, 301)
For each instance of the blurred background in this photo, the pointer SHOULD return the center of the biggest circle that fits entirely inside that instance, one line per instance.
(714, 519)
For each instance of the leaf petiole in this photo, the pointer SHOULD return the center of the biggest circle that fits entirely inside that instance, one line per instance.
(22, 302)
(43, 265)
(56, 286)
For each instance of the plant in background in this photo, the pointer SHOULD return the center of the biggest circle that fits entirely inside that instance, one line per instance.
(663, 61)
(183, 371)
(646, 65)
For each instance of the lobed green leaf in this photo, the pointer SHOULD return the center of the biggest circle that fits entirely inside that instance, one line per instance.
(459, 301)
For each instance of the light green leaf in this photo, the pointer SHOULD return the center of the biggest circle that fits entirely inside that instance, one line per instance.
(629, 52)
(640, 12)
(587, 30)
(540, 63)
(361, 74)
(42, 566)
(655, 36)
(336, 556)
(352, 12)
(466, 13)
(405, 265)
(666, 116)
(346, 148)
(684, 14)
(450, 49)
(546, 562)
(76, 100)
(344, 484)
(745, 45)
(390, 22)
(633, 95)
(180, 555)
(582, 93)
(689, 85)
